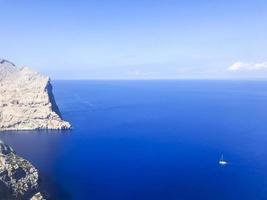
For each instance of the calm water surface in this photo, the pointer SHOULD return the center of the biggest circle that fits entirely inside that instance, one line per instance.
(153, 140)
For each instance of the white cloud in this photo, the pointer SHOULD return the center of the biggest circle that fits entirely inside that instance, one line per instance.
(243, 66)
(138, 73)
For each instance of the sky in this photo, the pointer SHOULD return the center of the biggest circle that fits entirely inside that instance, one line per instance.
(137, 39)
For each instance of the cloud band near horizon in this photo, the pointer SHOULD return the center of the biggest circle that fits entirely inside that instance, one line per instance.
(247, 66)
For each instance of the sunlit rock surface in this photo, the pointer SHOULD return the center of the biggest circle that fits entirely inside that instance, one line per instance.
(26, 100)
(18, 178)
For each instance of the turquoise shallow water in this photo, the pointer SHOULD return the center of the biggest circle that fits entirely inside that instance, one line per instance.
(153, 140)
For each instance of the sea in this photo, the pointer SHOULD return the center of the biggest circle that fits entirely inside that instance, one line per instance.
(153, 140)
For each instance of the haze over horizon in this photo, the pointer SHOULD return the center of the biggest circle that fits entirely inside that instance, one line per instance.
(142, 39)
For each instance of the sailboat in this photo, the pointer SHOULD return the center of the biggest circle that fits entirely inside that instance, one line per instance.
(222, 161)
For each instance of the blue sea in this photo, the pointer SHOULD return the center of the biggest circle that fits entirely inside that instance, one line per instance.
(153, 140)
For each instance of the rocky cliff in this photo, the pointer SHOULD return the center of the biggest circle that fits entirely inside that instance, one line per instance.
(26, 100)
(18, 178)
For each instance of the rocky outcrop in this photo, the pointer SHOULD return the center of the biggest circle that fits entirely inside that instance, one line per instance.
(18, 178)
(26, 100)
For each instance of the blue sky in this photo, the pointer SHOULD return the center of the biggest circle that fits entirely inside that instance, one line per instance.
(138, 39)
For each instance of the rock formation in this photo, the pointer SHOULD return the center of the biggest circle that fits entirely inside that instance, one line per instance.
(18, 178)
(26, 100)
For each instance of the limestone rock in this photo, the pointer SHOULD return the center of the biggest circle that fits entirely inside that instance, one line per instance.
(18, 178)
(26, 100)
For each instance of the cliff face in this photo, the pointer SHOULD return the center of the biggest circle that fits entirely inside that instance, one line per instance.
(26, 100)
(18, 178)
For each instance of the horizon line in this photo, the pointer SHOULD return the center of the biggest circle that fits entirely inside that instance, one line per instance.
(160, 79)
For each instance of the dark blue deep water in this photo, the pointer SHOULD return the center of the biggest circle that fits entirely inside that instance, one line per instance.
(153, 140)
